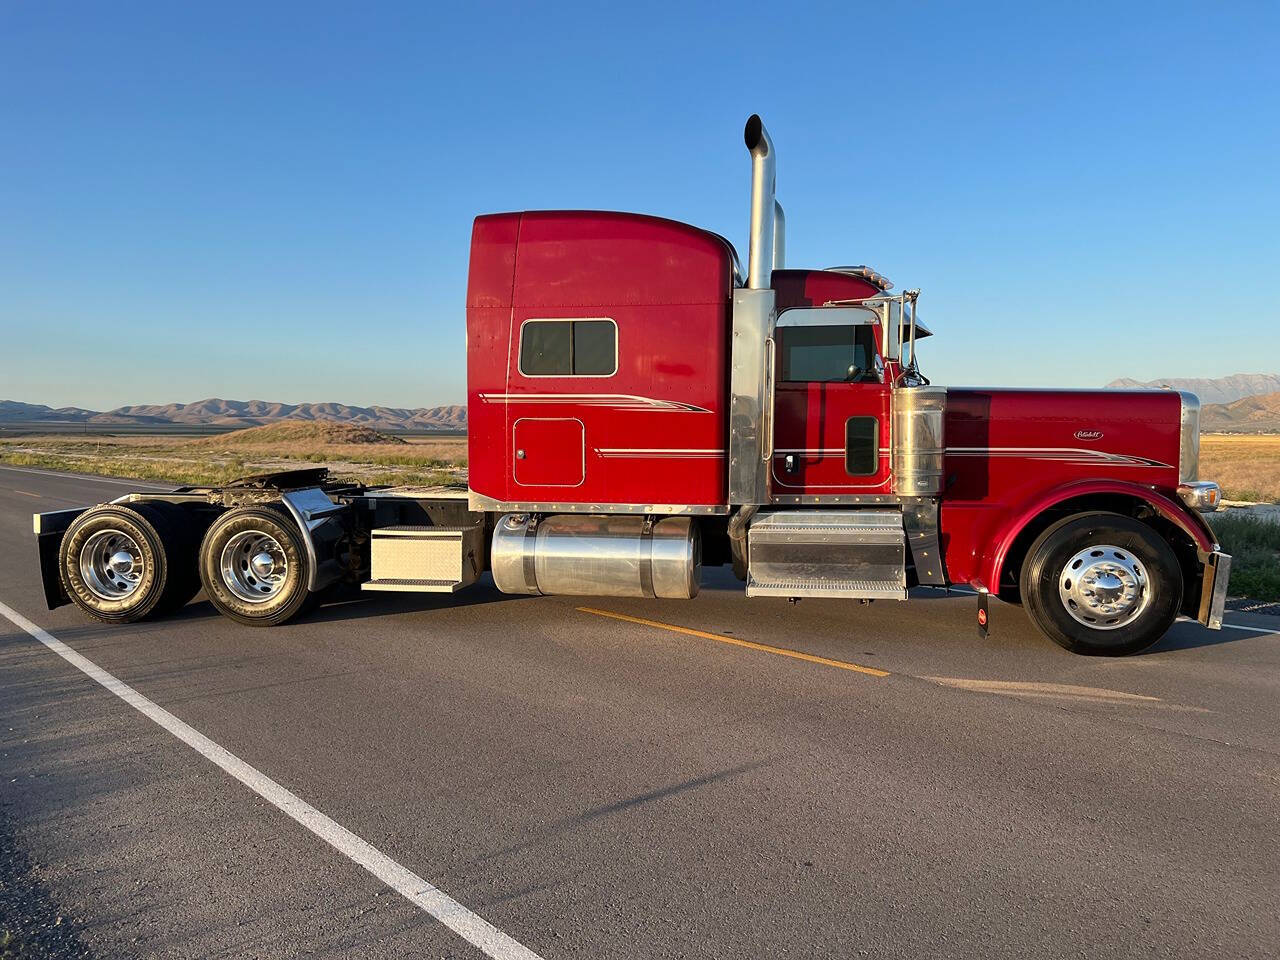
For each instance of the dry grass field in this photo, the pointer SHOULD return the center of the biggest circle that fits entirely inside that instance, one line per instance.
(1246, 466)
(348, 451)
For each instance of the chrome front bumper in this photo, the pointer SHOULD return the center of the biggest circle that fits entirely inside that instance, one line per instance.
(1213, 589)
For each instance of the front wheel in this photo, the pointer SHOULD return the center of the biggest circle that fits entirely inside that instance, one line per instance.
(254, 566)
(1102, 584)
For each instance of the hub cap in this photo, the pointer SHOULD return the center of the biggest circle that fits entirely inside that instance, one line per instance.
(254, 566)
(111, 565)
(1104, 587)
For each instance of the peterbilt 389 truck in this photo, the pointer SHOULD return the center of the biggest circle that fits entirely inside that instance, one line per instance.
(639, 407)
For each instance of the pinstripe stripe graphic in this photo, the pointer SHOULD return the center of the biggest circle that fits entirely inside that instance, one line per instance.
(659, 453)
(616, 401)
(1056, 454)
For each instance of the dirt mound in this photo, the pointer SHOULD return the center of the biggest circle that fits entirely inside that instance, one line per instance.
(286, 435)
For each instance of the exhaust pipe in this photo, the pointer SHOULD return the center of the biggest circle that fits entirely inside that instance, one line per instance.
(779, 236)
(761, 255)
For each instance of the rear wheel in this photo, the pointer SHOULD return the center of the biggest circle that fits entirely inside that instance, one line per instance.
(1102, 584)
(254, 566)
(120, 564)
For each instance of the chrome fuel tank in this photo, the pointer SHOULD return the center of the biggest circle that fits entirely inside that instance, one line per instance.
(597, 556)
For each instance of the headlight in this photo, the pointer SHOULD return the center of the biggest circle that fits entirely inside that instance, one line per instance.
(1189, 439)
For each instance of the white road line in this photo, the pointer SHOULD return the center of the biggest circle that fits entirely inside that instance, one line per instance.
(965, 591)
(471, 927)
(85, 477)
(1236, 626)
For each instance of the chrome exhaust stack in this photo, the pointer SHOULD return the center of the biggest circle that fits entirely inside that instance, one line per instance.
(751, 357)
(779, 236)
(761, 256)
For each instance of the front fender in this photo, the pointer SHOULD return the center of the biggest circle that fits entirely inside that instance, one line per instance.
(1017, 519)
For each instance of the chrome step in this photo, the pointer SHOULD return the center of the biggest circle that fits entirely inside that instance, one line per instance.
(854, 554)
(413, 586)
(851, 589)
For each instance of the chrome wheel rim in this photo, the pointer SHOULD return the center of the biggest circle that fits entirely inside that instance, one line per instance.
(254, 566)
(1104, 587)
(111, 565)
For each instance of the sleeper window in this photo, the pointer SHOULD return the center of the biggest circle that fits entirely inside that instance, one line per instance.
(569, 348)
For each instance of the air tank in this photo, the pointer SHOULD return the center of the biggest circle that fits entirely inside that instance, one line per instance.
(918, 441)
(597, 556)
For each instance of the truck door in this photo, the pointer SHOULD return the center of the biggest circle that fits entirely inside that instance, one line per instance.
(831, 406)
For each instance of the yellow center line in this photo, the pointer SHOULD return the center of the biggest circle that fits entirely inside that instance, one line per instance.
(750, 645)
(25, 494)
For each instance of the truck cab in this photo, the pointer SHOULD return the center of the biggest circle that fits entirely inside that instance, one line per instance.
(622, 365)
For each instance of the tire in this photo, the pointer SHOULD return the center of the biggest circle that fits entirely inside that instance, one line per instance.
(233, 580)
(1101, 584)
(145, 580)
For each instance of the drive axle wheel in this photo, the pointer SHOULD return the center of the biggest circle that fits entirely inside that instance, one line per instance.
(254, 566)
(118, 563)
(1102, 583)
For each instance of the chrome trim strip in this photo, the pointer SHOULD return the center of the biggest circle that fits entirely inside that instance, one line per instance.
(480, 503)
(827, 499)
(753, 316)
(1189, 438)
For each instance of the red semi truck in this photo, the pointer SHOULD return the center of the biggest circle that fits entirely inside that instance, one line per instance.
(638, 406)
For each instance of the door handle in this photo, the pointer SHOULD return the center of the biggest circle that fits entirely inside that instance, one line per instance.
(519, 454)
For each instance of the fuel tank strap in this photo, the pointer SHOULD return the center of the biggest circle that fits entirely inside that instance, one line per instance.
(530, 555)
(646, 558)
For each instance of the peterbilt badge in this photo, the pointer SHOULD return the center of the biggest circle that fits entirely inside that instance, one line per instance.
(1088, 434)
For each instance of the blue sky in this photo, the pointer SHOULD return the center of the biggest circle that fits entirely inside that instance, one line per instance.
(273, 200)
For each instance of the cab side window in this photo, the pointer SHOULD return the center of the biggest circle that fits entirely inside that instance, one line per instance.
(828, 353)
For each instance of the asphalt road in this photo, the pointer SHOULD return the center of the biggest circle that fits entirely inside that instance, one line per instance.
(600, 787)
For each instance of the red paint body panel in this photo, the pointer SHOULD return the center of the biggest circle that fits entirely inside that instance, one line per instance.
(811, 419)
(813, 288)
(1012, 453)
(655, 432)
(490, 282)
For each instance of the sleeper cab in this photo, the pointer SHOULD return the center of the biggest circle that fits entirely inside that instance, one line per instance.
(597, 361)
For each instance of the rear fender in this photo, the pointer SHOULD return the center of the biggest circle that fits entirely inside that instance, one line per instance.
(1190, 522)
(49, 530)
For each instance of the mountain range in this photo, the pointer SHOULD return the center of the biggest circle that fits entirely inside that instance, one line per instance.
(1240, 403)
(242, 413)
(1246, 415)
(1218, 390)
